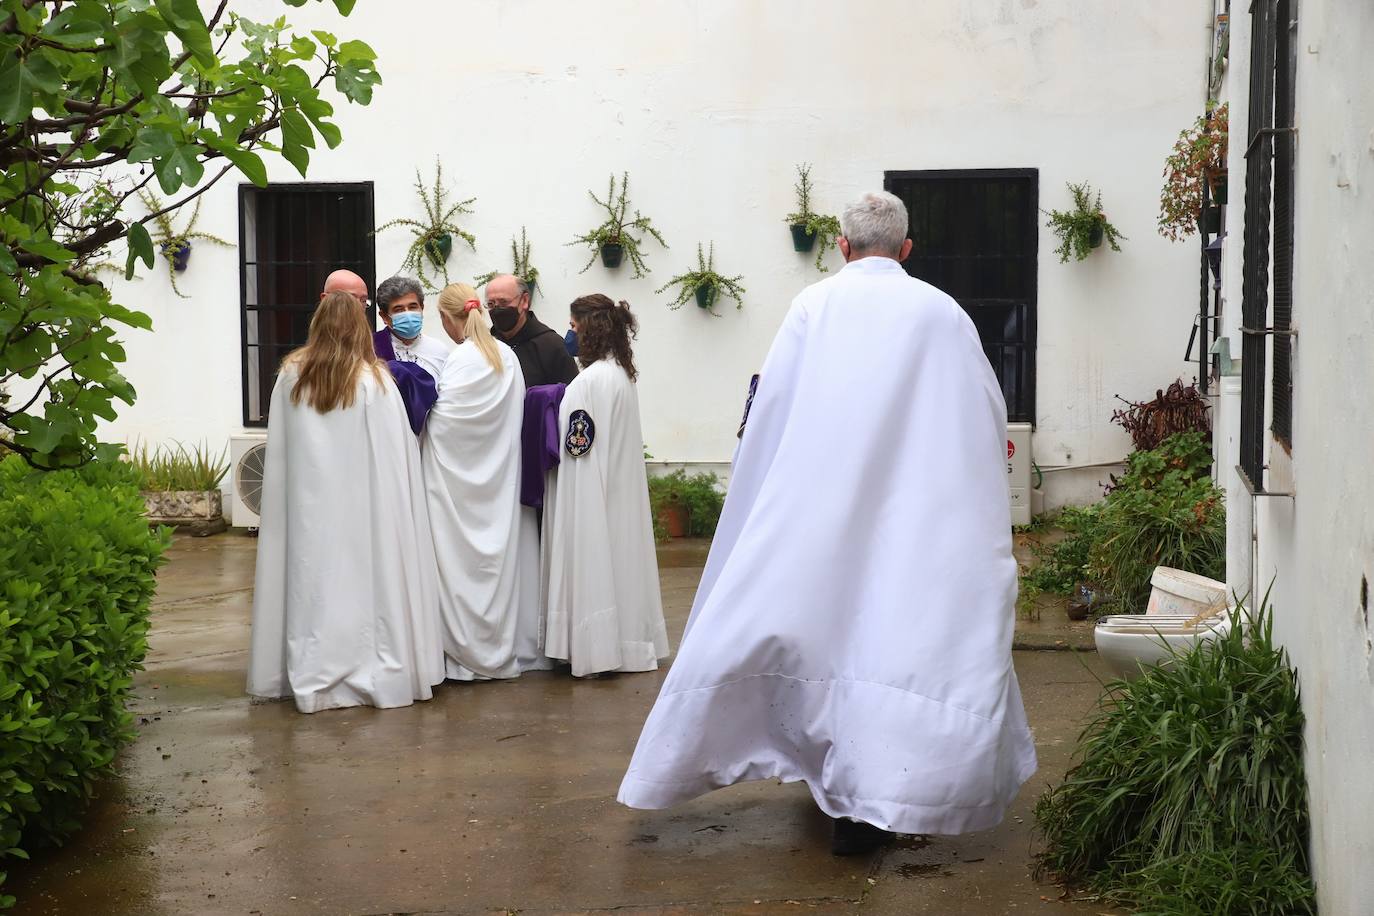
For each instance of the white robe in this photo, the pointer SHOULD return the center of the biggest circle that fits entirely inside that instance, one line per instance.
(605, 612)
(853, 625)
(471, 458)
(345, 589)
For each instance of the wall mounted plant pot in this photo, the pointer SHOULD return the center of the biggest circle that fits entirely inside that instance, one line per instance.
(802, 240)
(1218, 185)
(180, 254)
(531, 285)
(439, 248)
(706, 296)
(611, 253)
(1209, 220)
(673, 519)
(1095, 236)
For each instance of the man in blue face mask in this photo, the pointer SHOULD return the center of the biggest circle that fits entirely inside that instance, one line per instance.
(401, 303)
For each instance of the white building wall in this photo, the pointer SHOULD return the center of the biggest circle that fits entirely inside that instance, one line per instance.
(709, 104)
(1317, 549)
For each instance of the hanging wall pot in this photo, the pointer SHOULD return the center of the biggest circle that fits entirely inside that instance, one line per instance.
(611, 253)
(180, 253)
(803, 239)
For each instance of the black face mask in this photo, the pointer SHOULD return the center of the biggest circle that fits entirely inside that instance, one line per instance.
(505, 318)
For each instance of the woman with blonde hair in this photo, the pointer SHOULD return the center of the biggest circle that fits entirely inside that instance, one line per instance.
(345, 591)
(471, 457)
(605, 612)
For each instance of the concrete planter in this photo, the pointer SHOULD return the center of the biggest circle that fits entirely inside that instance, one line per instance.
(197, 512)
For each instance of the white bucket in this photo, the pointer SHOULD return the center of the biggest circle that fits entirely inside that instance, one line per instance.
(1183, 594)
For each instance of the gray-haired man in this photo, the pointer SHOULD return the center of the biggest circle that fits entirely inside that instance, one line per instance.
(401, 303)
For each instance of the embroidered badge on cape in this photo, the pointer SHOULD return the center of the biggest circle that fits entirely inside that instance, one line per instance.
(581, 433)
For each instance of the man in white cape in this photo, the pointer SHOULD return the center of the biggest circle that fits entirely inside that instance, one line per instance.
(345, 593)
(853, 624)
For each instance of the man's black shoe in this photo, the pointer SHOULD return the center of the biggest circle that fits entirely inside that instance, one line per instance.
(855, 838)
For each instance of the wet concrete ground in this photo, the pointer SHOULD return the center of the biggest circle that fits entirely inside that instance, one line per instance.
(491, 798)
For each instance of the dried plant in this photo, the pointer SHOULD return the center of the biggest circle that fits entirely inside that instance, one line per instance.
(1179, 409)
(1199, 155)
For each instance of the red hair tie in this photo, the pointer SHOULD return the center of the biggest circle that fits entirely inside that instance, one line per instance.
(472, 305)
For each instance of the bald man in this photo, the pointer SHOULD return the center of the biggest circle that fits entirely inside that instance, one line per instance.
(418, 388)
(346, 281)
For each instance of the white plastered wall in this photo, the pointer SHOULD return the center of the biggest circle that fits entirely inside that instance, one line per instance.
(1317, 548)
(710, 104)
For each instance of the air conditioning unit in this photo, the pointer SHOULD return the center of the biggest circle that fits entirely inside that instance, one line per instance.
(1018, 472)
(247, 457)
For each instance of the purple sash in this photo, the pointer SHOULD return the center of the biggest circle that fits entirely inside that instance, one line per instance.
(539, 451)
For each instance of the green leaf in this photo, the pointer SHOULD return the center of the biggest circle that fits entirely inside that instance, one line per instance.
(249, 163)
(297, 138)
(325, 38)
(345, 6)
(180, 168)
(46, 248)
(7, 263)
(186, 22)
(20, 79)
(140, 248)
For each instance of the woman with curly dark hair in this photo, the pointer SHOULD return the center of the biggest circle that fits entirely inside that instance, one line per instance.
(605, 612)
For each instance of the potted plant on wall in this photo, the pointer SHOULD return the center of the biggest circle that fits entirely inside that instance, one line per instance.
(432, 240)
(1197, 162)
(809, 226)
(1083, 228)
(175, 244)
(520, 256)
(614, 238)
(704, 284)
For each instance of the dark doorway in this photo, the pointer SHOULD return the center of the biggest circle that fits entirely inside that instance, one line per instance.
(976, 235)
(290, 237)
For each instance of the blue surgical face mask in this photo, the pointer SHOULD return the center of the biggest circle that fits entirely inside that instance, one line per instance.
(407, 324)
(570, 342)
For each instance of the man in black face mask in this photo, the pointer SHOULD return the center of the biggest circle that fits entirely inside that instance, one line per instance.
(544, 359)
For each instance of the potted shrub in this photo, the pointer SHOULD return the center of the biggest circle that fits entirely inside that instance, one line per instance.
(1083, 228)
(685, 506)
(175, 244)
(1197, 161)
(704, 284)
(432, 240)
(614, 237)
(520, 256)
(180, 487)
(809, 226)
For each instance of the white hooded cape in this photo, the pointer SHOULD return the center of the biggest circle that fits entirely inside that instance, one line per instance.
(853, 625)
(605, 612)
(345, 589)
(471, 457)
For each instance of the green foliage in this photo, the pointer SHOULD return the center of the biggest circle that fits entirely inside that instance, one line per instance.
(87, 89)
(704, 276)
(169, 468)
(428, 243)
(520, 257)
(1188, 794)
(1076, 228)
(1064, 563)
(77, 568)
(824, 227)
(617, 228)
(700, 494)
(1198, 155)
(169, 239)
(1164, 511)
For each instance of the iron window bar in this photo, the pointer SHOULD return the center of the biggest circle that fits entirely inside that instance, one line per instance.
(1265, 332)
(1264, 132)
(1256, 492)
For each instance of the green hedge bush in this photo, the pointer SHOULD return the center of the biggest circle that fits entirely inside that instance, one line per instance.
(77, 570)
(700, 494)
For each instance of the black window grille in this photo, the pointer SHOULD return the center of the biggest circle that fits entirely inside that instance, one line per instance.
(976, 235)
(290, 237)
(1268, 201)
